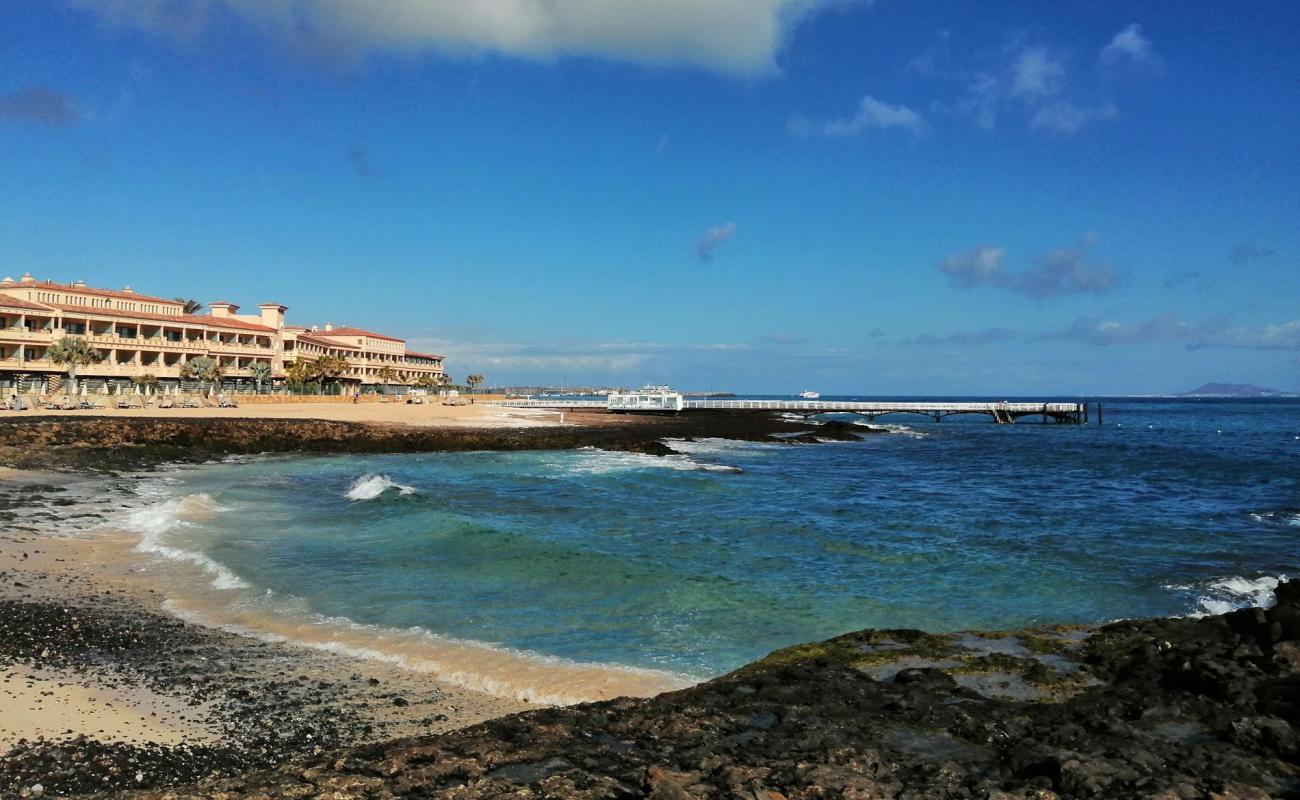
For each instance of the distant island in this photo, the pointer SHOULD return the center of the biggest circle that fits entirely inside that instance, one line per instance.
(1242, 390)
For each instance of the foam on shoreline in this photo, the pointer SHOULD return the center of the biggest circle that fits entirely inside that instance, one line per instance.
(224, 600)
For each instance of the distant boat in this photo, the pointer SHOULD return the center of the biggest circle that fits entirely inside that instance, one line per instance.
(810, 395)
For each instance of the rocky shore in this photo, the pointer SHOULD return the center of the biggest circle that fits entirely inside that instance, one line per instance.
(1160, 708)
(1163, 708)
(119, 443)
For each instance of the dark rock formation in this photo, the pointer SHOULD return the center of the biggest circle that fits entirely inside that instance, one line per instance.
(1161, 708)
(118, 443)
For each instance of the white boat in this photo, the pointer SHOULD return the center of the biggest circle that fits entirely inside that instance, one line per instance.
(810, 395)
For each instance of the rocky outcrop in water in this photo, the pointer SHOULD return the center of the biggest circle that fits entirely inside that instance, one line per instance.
(124, 443)
(1162, 708)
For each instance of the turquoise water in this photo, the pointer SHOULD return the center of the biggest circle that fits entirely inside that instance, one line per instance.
(701, 562)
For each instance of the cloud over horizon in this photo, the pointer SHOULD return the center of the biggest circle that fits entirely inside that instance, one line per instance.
(1199, 335)
(1061, 271)
(986, 336)
(736, 36)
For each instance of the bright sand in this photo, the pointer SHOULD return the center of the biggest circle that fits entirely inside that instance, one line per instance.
(428, 414)
(54, 704)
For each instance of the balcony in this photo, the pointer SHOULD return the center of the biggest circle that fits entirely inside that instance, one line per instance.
(24, 335)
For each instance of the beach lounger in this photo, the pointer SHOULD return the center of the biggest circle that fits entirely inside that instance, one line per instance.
(166, 402)
(88, 405)
(226, 403)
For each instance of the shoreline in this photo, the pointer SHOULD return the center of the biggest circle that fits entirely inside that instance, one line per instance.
(1155, 708)
(135, 704)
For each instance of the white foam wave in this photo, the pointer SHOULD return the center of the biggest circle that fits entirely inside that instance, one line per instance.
(593, 461)
(1291, 518)
(155, 521)
(1229, 594)
(370, 486)
(714, 447)
(901, 430)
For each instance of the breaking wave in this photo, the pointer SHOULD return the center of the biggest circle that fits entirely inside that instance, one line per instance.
(1229, 594)
(594, 461)
(370, 486)
(155, 521)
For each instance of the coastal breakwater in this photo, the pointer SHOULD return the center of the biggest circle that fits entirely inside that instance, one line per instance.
(106, 442)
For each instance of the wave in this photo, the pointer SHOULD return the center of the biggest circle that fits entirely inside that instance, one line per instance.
(1223, 595)
(478, 666)
(901, 430)
(153, 522)
(370, 486)
(1285, 517)
(716, 447)
(594, 461)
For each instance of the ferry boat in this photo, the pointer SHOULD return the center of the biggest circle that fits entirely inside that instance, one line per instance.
(647, 399)
(810, 395)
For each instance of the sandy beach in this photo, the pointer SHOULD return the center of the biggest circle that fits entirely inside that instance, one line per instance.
(431, 414)
(88, 652)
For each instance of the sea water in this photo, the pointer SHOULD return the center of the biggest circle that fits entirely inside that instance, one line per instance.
(678, 568)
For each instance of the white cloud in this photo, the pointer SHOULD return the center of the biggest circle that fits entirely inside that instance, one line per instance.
(1036, 73)
(1066, 117)
(577, 359)
(1195, 335)
(1129, 45)
(712, 238)
(1064, 270)
(1284, 336)
(872, 114)
(738, 36)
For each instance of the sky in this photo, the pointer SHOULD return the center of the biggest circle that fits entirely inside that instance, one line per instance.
(888, 197)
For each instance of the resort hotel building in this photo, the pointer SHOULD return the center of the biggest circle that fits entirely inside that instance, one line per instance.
(136, 335)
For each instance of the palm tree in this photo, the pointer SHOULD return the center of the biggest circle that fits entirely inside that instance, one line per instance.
(425, 382)
(298, 373)
(191, 306)
(327, 368)
(72, 353)
(202, 369)
(387, 375)
(474, 381)
(147, 382)
(261, 372)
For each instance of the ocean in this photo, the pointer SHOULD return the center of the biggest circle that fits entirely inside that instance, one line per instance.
(514, 572)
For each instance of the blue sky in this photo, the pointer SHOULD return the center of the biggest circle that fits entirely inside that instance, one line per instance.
(757, 195)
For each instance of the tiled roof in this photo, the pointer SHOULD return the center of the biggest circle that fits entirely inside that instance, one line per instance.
(9, 301)
(359, 332)
(316, 338)
(176, 319)
(422, 355)
(67, 287)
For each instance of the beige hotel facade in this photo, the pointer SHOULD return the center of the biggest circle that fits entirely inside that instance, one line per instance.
(138, 335)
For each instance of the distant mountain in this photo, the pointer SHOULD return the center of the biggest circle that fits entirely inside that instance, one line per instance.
(1244, 390)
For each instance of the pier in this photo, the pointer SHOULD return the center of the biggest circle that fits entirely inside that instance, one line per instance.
(1000, 412)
